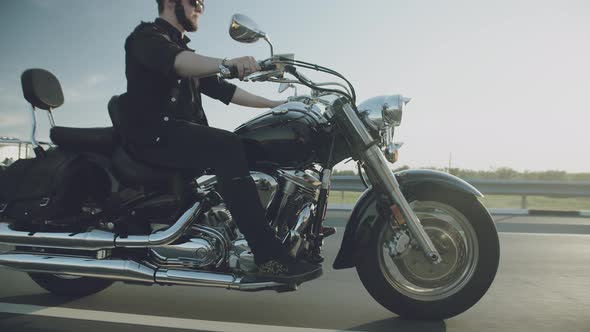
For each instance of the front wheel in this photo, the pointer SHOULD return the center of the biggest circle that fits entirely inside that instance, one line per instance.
(396, 273)
(69, 286)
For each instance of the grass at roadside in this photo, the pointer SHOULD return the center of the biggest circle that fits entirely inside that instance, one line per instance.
(495, 201)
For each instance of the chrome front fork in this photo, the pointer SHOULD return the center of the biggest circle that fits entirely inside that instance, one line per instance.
(376, 166)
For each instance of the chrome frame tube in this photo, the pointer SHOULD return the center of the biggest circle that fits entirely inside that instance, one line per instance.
(50, 117)
(165, 237)
(383, 177)
(34, 142)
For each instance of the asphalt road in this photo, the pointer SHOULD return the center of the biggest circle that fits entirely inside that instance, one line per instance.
(543, 284)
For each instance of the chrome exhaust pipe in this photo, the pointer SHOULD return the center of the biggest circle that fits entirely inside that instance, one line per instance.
(125, 270)
(122, 270)
(97, 239)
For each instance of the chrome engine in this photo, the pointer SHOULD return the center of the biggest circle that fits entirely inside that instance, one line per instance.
(206, 245)
(216, 243)
(298, 198)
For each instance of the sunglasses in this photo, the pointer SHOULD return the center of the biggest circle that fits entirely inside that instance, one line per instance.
(200, 4)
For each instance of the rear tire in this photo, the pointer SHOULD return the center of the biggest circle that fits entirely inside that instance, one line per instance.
(428, 296)
(70, 287)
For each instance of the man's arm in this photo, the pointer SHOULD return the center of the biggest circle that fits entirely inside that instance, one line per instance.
(245, 98)
(189, 64)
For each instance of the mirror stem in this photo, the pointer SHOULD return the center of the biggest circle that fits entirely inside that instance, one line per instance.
(272, 49)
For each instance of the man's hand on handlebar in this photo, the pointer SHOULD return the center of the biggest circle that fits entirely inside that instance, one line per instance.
(244, 65)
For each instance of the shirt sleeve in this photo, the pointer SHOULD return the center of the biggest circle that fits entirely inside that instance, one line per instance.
(154, 50)
(217, 88)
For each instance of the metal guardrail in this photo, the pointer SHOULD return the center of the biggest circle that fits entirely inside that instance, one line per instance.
(523, 188)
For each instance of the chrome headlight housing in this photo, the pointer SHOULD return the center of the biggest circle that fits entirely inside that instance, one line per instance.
(385, 111)
(384, 114)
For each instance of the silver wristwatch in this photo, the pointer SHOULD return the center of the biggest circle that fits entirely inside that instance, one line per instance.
(224, 71)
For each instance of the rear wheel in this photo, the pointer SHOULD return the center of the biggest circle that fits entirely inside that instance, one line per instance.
(70, 286)
(397, 274)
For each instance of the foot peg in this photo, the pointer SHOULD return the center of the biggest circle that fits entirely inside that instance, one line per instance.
(328, 231)
(286, 288)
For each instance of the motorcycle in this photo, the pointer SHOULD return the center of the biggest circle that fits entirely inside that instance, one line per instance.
(422, 243)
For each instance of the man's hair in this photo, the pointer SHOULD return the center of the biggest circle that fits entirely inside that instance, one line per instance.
(160, 6)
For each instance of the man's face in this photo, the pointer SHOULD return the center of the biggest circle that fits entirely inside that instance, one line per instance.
(193, 9)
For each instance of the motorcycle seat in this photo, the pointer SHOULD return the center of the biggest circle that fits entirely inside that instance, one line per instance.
(98, 140)
(136, 174)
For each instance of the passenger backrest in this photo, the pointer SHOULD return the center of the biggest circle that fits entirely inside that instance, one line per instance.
(42, 89)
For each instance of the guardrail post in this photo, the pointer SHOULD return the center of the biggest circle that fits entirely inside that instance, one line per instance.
(523, 202)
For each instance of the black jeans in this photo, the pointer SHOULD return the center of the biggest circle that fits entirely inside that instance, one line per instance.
(193, 147)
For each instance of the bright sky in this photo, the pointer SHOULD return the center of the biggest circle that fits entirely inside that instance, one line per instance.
(494, 83)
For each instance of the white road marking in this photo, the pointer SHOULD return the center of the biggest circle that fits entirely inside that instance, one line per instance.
(543, 234)
(144, 320)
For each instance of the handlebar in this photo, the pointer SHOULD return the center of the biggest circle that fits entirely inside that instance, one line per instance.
(265, 66)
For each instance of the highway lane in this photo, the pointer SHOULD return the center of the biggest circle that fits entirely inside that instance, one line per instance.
(543, 285)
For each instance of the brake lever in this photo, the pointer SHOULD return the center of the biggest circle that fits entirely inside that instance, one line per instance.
(262, 76)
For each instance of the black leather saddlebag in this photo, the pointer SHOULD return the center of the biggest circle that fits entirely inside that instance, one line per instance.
(33, 191)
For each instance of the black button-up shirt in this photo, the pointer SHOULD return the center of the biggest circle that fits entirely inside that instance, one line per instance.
(155, 93)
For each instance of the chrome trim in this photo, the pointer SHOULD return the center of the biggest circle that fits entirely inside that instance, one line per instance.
(357, 124)
(222, 239)
(293, 238)
(267, 187)
(193, 278)
(50, 117)
(382, 110)
(93, 240)
(164, 237)
(303, 180)
(124, 270)
(34, 142)
(97, 239)
(121, 270)
(197, 252)
(385, 179)
(265, 184)
(326, 179)
(382, 177)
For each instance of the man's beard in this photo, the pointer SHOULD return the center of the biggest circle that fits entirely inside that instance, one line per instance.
(194, 26)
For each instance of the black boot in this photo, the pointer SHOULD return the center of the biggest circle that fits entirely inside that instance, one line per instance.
(272, 258)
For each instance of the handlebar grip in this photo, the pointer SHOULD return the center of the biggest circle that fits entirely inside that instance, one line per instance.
(267, 66)
(233, 71)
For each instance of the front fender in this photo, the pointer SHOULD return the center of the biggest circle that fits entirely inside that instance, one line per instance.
(364, 214)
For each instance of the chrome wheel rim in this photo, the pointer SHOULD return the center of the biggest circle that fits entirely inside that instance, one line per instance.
(411, 274)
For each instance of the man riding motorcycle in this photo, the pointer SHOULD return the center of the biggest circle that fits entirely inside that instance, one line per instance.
(164, 124)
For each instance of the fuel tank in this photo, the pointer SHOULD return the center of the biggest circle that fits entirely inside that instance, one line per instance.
(289, 136)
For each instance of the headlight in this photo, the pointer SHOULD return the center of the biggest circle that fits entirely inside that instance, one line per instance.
(385, 111)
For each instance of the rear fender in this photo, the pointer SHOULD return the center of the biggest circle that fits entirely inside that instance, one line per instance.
(365, 213)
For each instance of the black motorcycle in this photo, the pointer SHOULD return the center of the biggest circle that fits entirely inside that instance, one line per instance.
(84, 213)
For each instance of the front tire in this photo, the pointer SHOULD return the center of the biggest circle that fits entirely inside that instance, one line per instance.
(407, 284)
(74, 287)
